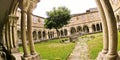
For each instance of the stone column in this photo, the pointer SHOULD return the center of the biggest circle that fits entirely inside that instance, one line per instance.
(29, 29)
(68, 33)
(7, 36)
(96, 28)
(105, 28)
(100, 27)
(47, 37)
(55, 34)
(41, 35)
(112, 30)
(90, 30)
(23, 29)
(37, 35)
(3, 39)
(10, 31)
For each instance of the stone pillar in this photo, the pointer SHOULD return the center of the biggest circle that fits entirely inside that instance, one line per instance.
(14, 31)
(68, 33)
(55, 34)
(23, 29)
(100, 27)
(7, 36)
(29, 29)
(41, 35)
(10, 31)
(47, 37)
(96, 28)
(3, 39)
(105, 29)
(112, 30)
(37, 36)
(90, 30)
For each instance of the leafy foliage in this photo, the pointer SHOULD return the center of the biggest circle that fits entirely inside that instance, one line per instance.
(57, 18)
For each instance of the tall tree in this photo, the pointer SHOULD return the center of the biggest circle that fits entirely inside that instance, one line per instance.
(57, 18)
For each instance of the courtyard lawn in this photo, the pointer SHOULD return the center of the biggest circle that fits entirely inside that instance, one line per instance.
(53, 49)
(95, 45)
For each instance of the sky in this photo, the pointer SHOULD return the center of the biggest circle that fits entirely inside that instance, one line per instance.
(75, 6)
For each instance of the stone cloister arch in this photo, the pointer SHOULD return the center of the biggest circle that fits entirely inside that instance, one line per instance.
(39, 35)
(10, 32)
(101, 26)
(79, 29)
(72, 30)
(50, 34)
(65, 32)
(61, 33)
(85, 29)
(34, 35)
(44, 35)
(98, 27)
(110, 37)
(93, 27)
(8, 25)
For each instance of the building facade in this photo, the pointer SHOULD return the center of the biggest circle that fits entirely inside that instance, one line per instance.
(88, 22)
(11, 24)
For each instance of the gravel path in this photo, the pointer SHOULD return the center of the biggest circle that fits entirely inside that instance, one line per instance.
(80, 52)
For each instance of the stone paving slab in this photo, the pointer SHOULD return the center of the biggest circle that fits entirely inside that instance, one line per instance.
(80, 52)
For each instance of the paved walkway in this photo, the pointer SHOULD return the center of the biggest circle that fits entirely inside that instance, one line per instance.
(80, 52)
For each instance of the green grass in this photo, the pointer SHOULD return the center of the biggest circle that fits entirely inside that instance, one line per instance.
(53, 49)
(95, 45)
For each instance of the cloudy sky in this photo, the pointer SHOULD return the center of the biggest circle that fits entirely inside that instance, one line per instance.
(75, 6)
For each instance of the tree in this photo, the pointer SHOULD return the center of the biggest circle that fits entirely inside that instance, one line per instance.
(57, 18)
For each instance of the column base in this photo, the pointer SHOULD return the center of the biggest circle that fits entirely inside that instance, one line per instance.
(16, 56)
(14, 50)
(26, 58)
(35, 57)
(112, 57)
(32, 57)
(101, 56)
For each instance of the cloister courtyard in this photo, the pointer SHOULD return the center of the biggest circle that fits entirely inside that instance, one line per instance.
(90, 35)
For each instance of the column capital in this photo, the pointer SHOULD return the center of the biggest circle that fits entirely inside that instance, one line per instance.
(32, 5)
(13, 19)
(24, 4)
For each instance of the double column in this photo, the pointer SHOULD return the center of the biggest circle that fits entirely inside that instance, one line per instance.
(110, 37)
(26, 15)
